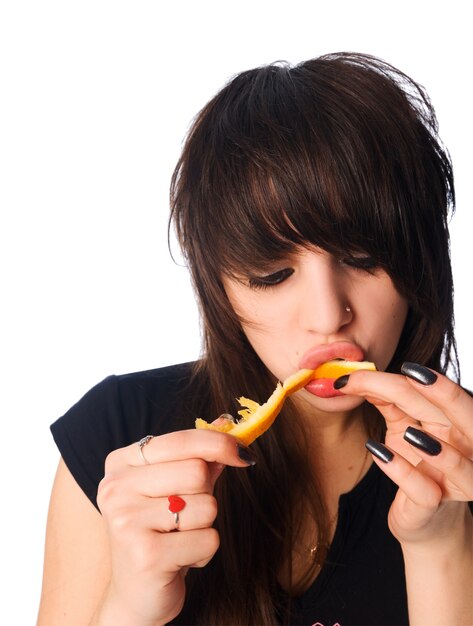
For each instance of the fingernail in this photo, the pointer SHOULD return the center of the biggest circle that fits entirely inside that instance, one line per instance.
(246, 454)
(341, 382)
(419, 373)
(380, 452)
(222, 419)
(421, 440)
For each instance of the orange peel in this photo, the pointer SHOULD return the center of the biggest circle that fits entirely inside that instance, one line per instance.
(255, 419)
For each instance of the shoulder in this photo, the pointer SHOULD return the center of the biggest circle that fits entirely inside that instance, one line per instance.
(120, 410)
(158, 400)
(135, 397)
(162, 385)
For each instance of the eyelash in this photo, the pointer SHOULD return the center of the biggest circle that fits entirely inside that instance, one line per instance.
(270, 280)
(363, 264)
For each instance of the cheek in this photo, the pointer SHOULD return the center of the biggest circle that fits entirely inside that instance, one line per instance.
(264, 320)
(396, 319)
(398, 308)
(387, 322)
(248, 313)
(259, 314)
(385, 306)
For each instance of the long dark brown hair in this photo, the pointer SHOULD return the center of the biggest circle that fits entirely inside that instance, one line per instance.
(339, 152)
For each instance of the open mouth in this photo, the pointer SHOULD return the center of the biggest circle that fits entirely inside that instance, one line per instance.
(343, 350)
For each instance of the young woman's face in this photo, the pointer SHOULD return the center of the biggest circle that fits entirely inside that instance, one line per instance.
(314, 307)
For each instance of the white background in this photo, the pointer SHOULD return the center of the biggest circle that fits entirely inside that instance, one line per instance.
(95, 100)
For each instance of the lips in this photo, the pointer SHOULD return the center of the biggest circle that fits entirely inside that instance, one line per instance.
(323, 387)
(338, 350)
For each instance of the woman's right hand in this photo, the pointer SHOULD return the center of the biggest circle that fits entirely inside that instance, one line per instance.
(149, 561)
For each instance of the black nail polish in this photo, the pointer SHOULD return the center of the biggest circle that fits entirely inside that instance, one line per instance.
(421, 440)
(419, 373)
(379, 450)
(341, 382)
(246, 454)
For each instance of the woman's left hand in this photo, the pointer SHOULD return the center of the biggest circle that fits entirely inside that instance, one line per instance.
(429, 436)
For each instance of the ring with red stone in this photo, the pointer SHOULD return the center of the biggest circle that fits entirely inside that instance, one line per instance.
(176, 504)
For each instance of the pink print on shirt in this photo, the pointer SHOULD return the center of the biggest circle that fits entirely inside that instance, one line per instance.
(320, 624)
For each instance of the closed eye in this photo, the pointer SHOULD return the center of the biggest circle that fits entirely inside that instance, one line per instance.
(270, 280)
(366, 263)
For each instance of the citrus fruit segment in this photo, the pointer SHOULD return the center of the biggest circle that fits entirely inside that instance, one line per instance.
(256, 418)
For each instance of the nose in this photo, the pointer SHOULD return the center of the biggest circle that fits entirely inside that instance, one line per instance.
(324, 306)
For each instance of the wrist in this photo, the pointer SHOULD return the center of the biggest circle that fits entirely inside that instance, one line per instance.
(114, 612)
(441, 568)
(453, 535)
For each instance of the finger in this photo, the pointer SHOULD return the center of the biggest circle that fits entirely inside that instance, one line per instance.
(212, 446)
(192, 548)
(190, 476)
(199, 511)
(444, 394)
(422, 494)
(383, 388)
(445, 458)
(395, 417)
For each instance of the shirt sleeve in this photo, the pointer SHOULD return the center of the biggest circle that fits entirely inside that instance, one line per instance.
(117, 412)
(88, 432)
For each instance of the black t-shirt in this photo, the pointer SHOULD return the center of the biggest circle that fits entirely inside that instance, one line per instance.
(361, 584)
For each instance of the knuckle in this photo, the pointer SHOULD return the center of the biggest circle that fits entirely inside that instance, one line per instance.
(453, 393)
(109, 490)
(122, 522)
(143, 555)
(210, 541)
(432, 497)
(199, 471)
(111, 460)
(361, 381)
(220, 445)
(453, 463)
(106, 490)
(360, 378)
(211, 509)
(432, 500)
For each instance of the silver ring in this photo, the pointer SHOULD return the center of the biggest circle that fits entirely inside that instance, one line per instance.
(142, 443)
(176, 504)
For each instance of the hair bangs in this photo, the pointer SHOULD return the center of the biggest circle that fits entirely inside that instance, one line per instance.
(289, 164)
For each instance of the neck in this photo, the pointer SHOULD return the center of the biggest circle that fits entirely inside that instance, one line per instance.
(333, 446)
(335, 443)
(326, 431)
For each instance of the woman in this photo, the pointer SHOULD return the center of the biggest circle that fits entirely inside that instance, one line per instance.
(311, 203)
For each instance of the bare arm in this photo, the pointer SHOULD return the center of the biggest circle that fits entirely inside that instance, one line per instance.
(429, 455)
(125, 567)
(440, 578)
(77, 562)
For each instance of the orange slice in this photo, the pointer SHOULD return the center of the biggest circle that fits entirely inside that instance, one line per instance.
(257, 418)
